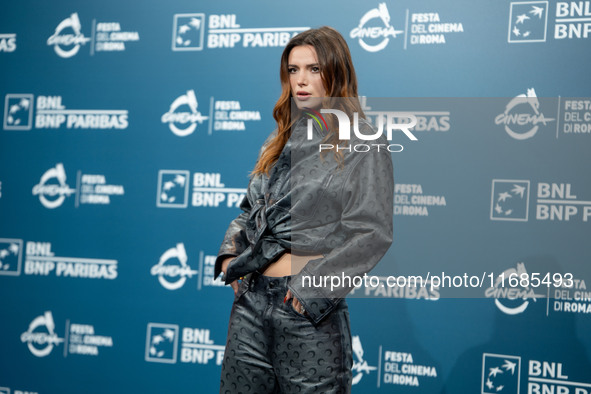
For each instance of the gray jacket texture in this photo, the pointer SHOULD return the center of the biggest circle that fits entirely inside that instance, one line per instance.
(311, 204)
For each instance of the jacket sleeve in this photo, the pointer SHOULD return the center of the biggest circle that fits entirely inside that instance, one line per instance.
(235, 241)
(366, 224)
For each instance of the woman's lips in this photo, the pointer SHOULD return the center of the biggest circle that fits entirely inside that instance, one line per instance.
(303, 96)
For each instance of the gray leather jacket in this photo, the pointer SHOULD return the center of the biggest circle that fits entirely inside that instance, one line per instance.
(309, 204)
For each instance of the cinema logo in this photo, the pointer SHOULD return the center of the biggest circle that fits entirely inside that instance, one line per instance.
(52, 194)
(393, 121)
(52, 188)
(360, 365)
(81, 338)
(172, 269)
(512, 300)
(68, 38)
(106, 37)
(375, 38)
(522, 116)
(40, 337)
(183, 117)
(196, 345)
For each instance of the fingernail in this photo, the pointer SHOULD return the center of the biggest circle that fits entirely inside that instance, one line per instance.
(284, 299)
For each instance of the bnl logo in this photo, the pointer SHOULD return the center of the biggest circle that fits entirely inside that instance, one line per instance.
(173, 189)
(18, 112)
(509, 200)
(161, 343)
(500, 374)
(528, 21)
(187, 32)
(11, 254)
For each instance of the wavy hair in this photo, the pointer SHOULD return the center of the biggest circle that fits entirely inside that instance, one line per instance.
(339, 80)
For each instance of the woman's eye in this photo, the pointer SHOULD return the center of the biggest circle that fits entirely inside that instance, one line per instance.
(316, 69)
(291, 70)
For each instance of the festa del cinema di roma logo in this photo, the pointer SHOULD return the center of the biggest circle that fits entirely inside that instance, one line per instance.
(106, 36)
(522, 116)
(512, 300)
(52, 195)
(40, 337)
(68, 37)
(368, 36)
(173, 264)
(180, 121)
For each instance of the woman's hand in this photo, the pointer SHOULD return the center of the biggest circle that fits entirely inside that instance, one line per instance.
(296, 304)
(225, 264)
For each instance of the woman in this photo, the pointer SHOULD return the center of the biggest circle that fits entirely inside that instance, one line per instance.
(315, 211)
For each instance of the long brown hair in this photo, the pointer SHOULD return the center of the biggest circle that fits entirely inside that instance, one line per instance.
(339, 80)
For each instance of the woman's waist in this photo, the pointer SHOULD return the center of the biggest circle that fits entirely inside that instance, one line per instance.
(289, 263)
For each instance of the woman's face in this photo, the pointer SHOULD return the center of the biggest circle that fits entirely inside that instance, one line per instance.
(305, 77)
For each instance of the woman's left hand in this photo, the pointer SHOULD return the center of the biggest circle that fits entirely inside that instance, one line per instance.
(296, 304)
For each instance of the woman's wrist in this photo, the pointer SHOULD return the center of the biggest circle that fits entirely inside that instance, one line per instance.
(225, 264)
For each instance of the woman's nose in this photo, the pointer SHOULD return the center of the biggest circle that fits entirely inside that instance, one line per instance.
(302, 78)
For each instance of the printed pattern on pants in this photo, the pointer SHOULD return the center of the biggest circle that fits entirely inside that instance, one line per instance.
(271, 348)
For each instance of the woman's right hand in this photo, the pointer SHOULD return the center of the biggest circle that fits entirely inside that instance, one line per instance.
(225, 264)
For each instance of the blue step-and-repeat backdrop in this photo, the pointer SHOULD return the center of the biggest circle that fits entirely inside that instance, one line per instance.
(128, 133)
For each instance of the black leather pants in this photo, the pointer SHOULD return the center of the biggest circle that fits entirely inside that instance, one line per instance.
(271, 348)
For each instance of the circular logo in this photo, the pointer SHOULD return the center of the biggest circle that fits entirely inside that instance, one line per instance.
(510, 298)
(367, 35)
(183, 123)
(168, 270)
(40, 337)
(67, 44)
(522, 116)
(52, 195)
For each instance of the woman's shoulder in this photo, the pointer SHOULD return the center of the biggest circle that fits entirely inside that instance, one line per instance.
(267, 141)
